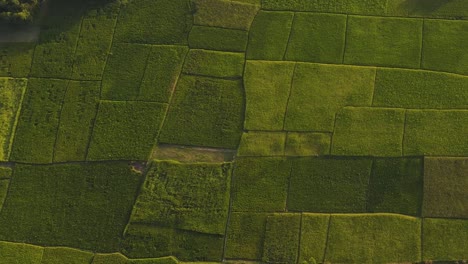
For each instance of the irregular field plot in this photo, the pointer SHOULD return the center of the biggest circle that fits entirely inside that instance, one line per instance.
(444, 239)
(281, 238)
(257, 143)
(20, 253)
(214, 38)
(60, 255)
(314, 232)
(307, 144)
(15, 59)
(214, 63)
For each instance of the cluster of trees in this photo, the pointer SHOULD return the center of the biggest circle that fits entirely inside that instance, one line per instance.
(19, 11)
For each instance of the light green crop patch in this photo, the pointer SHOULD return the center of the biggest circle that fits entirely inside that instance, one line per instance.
(114, 258)
(222, 39)
(76, 121)
(396, 186)
(154, 22)
(125, 130)
(436, 133)
(149, 241)
(258, 143)
(374, 238)
(319, 91)
(267, 87)
(329, 185)
(214, 63)
(60, 255)
(444, 239)
(366, 131)
(75, 205)
(314, 231)
(260, 184)
(15, 59)
(224, 14)
(11, 95)
(363, 7)
(445, 46)
(445, 184)
(20, 253)
(307, 144)
(381, 41)
(317, 38)
(193, 196)
(268, 37)
(281, 238)
(205, 112)
(38, 121)
(420, 89)
(246, 235)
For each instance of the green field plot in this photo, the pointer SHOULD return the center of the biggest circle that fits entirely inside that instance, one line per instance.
(11, 95)
(260, 184)
(214, 63)
(314, 231)
(420, 89)
(76, 121)
(125, 130)
(142, 72)
(267, 86)
(114, 258)
(15, 59)
(281, 238)
(205, 112)
(214, 38)
(436, 133)
(319, 91)
(317, 38)
(396, 186)
(154, 22)
(60, 255)
(364, 7)
(365, 131)
(259, 143)
(307, 144)
(224, 13)
(77, 205)
(445, 46)
(12, 253)
(445, 184)
(4, 183)
(335, 185)
(245, 236)
(380, 41)
(268, 37)
(147, 241)
(38, 121)
(444, 239)
(374, 238)
(192, 196)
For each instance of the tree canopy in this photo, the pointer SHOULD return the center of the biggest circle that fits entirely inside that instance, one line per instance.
(19, 11)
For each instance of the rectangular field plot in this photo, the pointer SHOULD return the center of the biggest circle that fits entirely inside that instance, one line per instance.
(268, 37)
(363, 7)
(319, 91)
(445, 184)
(307, 144)
(267, 86)
(329, 185)
(445, 46)
(214, 38)
(154, 22)
(77, 205)
(214, 63)
(445, 239)
(314, 231)
(189, 196)
(15, 59)
(317, 38)
(38, 121)
(113, 258)
(224, 13)
(20, 253)
(125, 130)
(374, 238)
(380, 41)
(61, 255)
(396, 186)
(436, 133)
(366, 131)
(11, 95)
(260, 184)
(205, 112)
(258, 143)
(281, 238)
(76, 121)
(420, 89)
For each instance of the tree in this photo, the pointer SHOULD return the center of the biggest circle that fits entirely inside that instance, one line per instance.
(18, 11)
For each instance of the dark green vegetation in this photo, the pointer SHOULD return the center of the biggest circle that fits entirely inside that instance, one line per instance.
(262, 131)
(18, 11)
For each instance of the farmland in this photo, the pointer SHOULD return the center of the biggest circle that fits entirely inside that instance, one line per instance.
(236, 131)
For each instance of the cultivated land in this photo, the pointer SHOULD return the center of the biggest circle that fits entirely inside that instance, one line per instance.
(238, 131)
